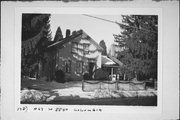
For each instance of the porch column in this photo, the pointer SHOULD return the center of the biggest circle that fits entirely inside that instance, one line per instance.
(112, 73)
(124, 76)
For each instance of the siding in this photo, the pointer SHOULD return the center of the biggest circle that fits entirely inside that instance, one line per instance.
(65, 54)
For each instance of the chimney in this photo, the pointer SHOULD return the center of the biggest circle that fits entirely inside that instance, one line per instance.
(74, 32)
(68, 32)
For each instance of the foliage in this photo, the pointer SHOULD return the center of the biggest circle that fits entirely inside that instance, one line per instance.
(103, 45)
(100, 74)
(32, 24)
(60, 76)
(58, 35)
(139, 38)
(32, 96)
(35, 38)
(86, 76)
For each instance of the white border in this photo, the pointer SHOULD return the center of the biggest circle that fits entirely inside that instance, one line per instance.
(170, 56)
(104, 11)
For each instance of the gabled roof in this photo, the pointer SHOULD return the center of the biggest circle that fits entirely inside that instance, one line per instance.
(111, 61)
(91, 40)
(64, 40)
(107, 61)
(116, 61)
(81, 34)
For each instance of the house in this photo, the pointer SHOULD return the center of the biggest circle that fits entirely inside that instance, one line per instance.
(76, 54)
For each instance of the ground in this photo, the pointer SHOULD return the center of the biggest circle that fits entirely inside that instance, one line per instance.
(72, 93)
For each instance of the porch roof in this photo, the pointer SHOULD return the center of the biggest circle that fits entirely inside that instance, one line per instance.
(107, 61)
(110, 62)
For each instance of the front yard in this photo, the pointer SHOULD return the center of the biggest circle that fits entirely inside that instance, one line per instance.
(42, 92)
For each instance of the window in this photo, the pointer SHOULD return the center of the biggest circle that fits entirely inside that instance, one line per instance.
(67, 66)
(79, 67)
(86, 48)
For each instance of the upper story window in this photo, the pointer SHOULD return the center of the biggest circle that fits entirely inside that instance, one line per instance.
(81, 48)
(86, 48)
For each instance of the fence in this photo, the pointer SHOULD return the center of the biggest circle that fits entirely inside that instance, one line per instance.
(113, 85)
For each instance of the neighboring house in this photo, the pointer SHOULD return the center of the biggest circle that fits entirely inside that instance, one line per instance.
(76, 54)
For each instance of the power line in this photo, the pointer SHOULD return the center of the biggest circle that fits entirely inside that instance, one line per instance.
(99, 18)
(120, 24)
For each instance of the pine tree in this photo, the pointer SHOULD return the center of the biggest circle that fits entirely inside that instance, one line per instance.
(35, 38)
(103, 45)
(58, 35)
(139, 38)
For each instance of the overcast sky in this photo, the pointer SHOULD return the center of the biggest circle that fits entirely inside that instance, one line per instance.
(95, 28)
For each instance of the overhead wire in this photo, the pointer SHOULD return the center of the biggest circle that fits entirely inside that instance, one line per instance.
(120, 24)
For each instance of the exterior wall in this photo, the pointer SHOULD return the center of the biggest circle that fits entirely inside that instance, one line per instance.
(99, 60)
(64, 55)
(77, 59)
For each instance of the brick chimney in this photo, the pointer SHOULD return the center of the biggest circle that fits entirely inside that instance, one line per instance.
(68, 32)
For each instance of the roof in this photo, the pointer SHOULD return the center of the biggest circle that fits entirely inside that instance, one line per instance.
(77, 34)
(107, 61)
(64, 40)
(116, 60)
(111, 61)
(92, 40)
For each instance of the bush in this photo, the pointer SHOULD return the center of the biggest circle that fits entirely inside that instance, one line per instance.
(68, 78)
(60, 76)
(101, 75)
(32, 96)
(86, 76)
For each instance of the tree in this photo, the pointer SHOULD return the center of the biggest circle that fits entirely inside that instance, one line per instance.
(58, 35)
(139, 38)
(103, 45)
(35, 38)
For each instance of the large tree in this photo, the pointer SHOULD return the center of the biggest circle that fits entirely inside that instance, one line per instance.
(58, 35)
(139, 37)
(35, 38)
(103, 45)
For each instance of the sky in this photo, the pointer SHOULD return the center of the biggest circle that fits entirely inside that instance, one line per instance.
(95, 28)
